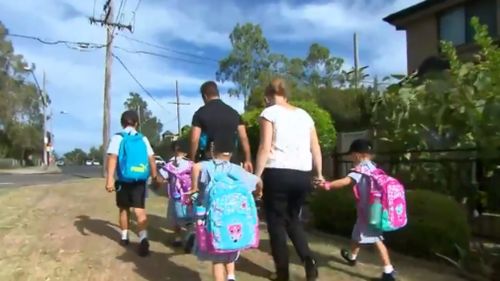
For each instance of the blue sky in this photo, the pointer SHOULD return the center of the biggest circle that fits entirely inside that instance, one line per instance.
(75, 78)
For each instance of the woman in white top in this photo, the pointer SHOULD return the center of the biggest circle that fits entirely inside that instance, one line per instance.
(289, 150)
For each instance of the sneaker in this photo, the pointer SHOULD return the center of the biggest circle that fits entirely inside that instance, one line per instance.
(144, 248)
(188, 247)
(311, 269)
(124, 242)
(388, 277)
(347, 257)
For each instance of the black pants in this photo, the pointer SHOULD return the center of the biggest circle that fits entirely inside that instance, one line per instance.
(285, 192)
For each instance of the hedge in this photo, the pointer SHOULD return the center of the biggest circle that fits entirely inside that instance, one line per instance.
(436, 222)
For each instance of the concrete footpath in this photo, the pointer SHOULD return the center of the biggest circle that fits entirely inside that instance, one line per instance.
(68, 231)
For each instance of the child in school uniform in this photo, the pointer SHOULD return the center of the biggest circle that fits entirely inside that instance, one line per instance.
(181, 163)
(363, 233)
(223, 263)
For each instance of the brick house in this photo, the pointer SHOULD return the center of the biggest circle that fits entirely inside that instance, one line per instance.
(431, 21)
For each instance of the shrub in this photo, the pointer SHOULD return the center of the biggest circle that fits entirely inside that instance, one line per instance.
(436, 222)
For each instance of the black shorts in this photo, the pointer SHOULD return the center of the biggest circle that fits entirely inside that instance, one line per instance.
(131, 195)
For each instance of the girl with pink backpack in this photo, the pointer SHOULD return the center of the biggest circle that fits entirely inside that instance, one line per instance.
(180, 212)
(380, 201)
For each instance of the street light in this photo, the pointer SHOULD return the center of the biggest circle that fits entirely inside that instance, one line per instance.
(43, 97)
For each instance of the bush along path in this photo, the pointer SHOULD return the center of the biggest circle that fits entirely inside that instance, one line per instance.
(68, 232)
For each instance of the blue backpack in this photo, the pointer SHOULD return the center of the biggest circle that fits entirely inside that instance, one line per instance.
(231, 222)
(133, 160)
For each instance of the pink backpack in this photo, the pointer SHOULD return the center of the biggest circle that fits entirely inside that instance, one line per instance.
(179, 180)
(390, 193)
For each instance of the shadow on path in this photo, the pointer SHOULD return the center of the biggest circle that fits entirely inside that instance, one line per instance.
(156, 266)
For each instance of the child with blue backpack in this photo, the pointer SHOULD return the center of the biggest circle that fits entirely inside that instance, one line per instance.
(131, 159)
(367, 179)
(227, 219)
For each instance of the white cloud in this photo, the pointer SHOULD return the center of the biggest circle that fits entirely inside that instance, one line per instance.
(75, 79)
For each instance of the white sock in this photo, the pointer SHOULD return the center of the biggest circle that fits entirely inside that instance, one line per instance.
(231, 277)
(353, 256)
(125, 234)
(388, 269)
(143, 234)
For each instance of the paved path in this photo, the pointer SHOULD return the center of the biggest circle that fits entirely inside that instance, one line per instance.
(68, 232)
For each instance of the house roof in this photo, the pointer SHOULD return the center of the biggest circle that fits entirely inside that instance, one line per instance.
(412, 10)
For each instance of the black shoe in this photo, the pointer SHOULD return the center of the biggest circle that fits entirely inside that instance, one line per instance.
(345, 254)
(144, 248)
(311, 269)
(388, 277)
(188, 247)
(124, 242)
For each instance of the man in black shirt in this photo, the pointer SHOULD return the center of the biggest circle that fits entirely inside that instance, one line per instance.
(217, 120)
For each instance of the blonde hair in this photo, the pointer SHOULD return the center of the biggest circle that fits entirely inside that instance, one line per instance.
(277, 87)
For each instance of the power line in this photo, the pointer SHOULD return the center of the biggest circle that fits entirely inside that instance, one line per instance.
(137, 6)
(119, 15)
(162, 56)
(170, 49)
(83, 45)
(138, 82)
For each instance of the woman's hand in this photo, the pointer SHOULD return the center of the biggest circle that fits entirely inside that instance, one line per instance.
(318, 181)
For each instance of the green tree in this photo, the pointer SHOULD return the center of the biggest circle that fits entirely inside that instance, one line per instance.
(456, 109)
(76, 157)
(20, 105)
(96, 153)
(248, 57)
(149, 125)
(322, 69)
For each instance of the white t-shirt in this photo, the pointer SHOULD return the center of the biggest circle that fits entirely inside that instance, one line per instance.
(114, 144)
(291, 144)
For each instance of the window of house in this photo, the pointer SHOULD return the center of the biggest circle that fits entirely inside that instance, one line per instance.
(454, 24)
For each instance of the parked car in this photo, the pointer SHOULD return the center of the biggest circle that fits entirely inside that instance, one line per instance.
(96, 163)
(88, 163)
(60, 162)
(159, 161)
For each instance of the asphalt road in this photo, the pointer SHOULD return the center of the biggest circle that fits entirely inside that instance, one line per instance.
(68, 173)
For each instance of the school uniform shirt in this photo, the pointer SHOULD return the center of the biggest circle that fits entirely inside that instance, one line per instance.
(363, 232)
(114, 144)
(291, 144)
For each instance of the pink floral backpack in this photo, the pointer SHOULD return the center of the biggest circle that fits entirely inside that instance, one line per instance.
(387, 199)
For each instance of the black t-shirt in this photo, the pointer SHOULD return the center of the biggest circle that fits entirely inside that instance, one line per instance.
(217, 120)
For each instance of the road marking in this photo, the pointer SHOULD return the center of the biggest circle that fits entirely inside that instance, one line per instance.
(6, 183)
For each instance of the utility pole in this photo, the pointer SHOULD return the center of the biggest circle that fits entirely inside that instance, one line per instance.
(44, 104)
(178, 104)
(110, 28)
(356, 61)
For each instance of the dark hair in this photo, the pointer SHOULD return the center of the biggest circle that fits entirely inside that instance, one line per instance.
(209, 89)
(224, 145)
(361, 146)
(129, 118)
